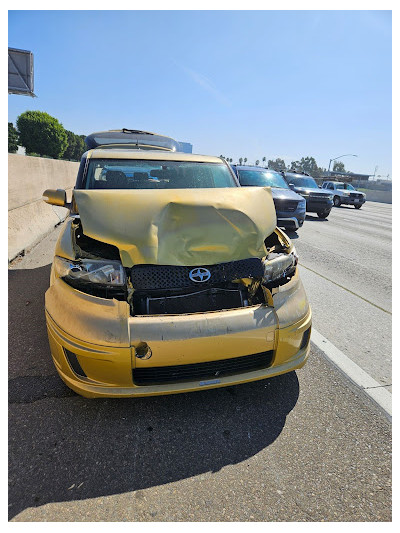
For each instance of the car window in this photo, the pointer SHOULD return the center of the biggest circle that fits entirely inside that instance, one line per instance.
(263, 178)
(330, 186)
(302, 181)
(144, 174)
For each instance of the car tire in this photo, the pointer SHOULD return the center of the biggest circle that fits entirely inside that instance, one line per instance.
(336, 201)
(323, 214)
(357, 206)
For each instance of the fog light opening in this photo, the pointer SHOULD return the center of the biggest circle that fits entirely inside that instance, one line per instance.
(306, 338)
(143, 351)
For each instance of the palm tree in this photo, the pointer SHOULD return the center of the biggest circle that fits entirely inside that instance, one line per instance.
(245, 160)
(257, 162)
(264, 160)
(240, 160)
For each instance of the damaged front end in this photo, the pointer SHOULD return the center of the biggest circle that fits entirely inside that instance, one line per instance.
(157, 292)
(95, 267)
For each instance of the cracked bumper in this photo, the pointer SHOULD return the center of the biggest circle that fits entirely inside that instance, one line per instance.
(103, 336)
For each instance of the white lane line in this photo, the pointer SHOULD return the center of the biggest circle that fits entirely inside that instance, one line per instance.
(370, 386)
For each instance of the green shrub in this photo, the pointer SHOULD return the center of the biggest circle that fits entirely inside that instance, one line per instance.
(12, 139)
(41, 133)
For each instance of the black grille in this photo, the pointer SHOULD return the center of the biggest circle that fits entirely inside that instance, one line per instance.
(319, 196)
(356, 195)
(199, 371)
(197, 302)
(177, 277)
(285, 205)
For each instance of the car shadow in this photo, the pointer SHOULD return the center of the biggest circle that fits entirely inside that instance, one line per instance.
(292, 234)
(63, 447)
(316, 218)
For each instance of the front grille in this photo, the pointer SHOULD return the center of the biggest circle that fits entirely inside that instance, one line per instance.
(355, 195)
(285, 205)
(319, 196)
(177, 277)
(197, 302)
(199, 371)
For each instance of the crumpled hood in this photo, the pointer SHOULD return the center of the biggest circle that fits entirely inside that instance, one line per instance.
(179, 226)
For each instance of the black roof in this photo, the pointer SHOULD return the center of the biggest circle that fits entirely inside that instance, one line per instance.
(135, 138)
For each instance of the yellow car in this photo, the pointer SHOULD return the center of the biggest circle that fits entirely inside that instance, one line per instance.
(168, 276)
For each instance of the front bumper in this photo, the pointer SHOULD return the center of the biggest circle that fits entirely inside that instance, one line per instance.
(290, 219)
(104, 338)
(348, 200)
(316, 205)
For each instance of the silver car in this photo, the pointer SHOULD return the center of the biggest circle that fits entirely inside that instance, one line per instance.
(344, 193)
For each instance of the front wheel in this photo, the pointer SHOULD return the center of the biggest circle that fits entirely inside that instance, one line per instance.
(358, 206)
(336, 201)
(323, 214)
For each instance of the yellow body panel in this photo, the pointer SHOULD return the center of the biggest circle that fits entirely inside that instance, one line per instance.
(180, 226)
(103, 336)
(156, 155)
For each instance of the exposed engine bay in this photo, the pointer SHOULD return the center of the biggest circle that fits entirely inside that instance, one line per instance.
(171, 289)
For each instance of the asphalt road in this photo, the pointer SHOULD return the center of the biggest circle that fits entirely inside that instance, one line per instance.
(346, 265)
(306, 446)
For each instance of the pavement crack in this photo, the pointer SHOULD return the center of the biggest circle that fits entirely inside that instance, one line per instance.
(29, 389)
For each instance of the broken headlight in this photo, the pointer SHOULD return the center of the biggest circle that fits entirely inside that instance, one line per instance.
(279, 266)
(90, 271)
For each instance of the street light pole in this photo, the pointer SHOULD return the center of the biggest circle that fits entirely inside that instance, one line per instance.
(339, 157)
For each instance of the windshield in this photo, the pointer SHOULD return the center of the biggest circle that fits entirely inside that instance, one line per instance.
(302, 182)
(144, 174)
(264, 178)
(346, 186)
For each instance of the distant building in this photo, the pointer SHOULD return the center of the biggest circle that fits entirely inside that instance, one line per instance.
(187, 148)
(344, 176)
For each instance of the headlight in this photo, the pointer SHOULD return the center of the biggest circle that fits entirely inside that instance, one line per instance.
(90, 271)
(330, 197)
(280, 266)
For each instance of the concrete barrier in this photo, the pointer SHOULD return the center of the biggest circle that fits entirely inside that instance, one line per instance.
(29, 218)
(378, 196)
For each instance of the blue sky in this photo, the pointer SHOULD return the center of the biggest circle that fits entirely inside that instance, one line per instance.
(239, 83)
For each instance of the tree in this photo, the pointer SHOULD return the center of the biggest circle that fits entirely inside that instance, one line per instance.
(264, 160)
(245, 160)
(71, 145)
(240, 160)
(75, 147)
(307, 164)
(12, 139)
(257, 162)
(277, 164)
(42, 134)
(339, 167)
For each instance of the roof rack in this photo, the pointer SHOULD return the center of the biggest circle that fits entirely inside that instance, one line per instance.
(137, 139)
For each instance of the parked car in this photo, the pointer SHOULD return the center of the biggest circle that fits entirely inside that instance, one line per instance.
(344, 193)
(290, 207)
(317, 201)
(173, 284)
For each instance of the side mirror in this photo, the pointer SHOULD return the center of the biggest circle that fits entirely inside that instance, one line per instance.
(291, 185)
(55, 197)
